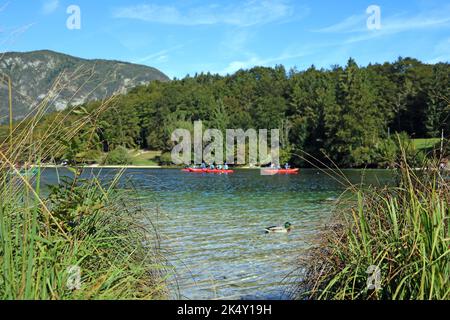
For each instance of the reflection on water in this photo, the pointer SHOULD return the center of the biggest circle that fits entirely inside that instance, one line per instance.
(212, 226)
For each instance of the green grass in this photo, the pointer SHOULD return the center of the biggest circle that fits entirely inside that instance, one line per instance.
(88, 224)
(85, 224)
(421, 144)
(403, 230)
(145, 158)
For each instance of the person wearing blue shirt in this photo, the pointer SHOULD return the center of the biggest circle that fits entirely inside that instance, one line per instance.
(225, 166)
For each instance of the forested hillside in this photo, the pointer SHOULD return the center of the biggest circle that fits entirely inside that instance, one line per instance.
(349, 114)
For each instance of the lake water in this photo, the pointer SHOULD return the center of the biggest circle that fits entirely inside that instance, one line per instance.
(212, 226)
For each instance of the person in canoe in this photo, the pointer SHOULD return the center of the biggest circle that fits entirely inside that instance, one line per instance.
(287, 166)
(225, 166)
(212, 166)
(203, 165)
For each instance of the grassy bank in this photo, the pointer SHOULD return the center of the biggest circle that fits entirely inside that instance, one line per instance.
(81, 225)
(80, 239)
(145, 158)
(424, 144)
(392, 243)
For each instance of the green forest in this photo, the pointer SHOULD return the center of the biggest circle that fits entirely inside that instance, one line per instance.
(348, 115)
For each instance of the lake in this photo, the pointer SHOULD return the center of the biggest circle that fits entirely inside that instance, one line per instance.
(212, 226)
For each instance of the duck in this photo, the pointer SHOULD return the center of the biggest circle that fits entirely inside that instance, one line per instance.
(276, 229)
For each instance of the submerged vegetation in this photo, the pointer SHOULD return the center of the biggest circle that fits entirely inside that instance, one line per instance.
(393, 243)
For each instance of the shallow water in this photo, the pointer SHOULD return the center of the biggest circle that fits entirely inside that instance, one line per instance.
(212, 226)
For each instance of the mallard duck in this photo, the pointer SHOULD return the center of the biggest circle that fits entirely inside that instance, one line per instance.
(275, 229)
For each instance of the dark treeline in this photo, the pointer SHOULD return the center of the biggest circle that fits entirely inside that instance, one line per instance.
(347, 114)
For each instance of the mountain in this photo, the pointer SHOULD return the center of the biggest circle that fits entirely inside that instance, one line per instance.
(65, 80)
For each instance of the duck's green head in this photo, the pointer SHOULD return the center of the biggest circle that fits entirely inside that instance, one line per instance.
(287, 225)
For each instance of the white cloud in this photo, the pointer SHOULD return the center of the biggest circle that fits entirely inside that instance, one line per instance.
(443, 58)
(9, 36)
(160, 56)
(441, 52)
(255, 60)
(4, 6)
(248, 13)
(390, 25)
(245, 64)
(351, 24)
(50, 6)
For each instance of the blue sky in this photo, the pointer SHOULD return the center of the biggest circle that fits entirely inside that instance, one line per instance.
(187, 36)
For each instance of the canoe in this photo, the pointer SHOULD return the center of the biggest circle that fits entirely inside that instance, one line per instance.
(207, 170)
(219, 171)
(197, 170)
(281, 171)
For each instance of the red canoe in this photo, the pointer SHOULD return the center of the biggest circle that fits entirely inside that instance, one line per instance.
(207, 171)
(219, 171)
(281, 171)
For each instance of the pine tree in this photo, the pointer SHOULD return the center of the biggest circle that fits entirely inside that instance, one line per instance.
(353, 124)
(438, 107)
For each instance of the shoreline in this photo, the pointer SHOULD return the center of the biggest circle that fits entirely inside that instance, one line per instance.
(97, 166)
(94, 166)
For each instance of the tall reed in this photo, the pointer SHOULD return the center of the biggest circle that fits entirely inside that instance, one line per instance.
(393, 243)
(82, 239)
